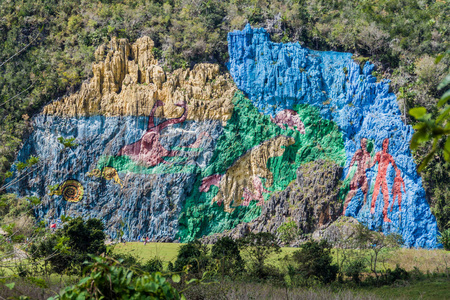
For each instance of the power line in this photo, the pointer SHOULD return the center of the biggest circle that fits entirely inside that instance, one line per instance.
(21, 50)
(10, 99)
(30, 170)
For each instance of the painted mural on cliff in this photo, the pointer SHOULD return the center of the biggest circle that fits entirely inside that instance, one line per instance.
(176, 156)
(277, 77)
(254, 157)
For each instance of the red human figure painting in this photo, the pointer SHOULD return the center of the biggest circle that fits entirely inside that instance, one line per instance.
(383, 158)
(397, 189)
(359, 180)
(148, 149)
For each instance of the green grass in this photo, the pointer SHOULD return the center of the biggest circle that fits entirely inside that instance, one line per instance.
(165, 251)
(275, 259)
(435, 288)
(431, 288)
(424, 260)
(427, 261)
(168, 251)
(430, 285)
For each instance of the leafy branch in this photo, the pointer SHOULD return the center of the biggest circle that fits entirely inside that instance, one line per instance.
(68, 143)
(433, 129)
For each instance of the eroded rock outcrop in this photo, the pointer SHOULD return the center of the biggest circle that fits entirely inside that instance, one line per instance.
(243, 179)
(311, 201)
(134, 164)
(127, 81)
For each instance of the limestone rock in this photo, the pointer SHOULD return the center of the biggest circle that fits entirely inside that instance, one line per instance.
(278, 77)
(338, 232)
(162, 177)
(311, 201)
(127, 197)
(128, 81)
(243, 178)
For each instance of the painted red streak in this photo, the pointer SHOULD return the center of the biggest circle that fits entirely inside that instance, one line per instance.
(397, 189)
(148, 149)
(359, 180)
(290, 118)
(196, 144)
(207, 182)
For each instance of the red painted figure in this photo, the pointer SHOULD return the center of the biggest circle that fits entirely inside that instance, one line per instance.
(148, 149)
(359, 180)
(397, 189)
(383, 158)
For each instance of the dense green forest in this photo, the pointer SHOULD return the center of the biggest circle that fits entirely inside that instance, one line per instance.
(47, 47)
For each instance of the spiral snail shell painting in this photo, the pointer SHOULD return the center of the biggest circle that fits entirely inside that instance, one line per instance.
(71, 190)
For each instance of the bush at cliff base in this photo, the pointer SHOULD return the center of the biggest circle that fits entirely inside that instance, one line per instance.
(444, 239)
(70, 246)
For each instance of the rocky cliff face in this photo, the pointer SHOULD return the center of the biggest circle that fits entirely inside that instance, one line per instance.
(311, 201)
(382, 188)
(181, 155)
(112, 111)
(128, 81)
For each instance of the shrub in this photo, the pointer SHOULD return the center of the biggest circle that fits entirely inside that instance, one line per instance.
(194, 255)
(108, 280)
(20, 166)
(67, 143)
(392, 276)
(444, 239)
(154, 264)
(288, 232)
(126, 260)
(354, 269)
(74, 23)
(314, 261)
(258, 247)
(69, 247)
(227, 251)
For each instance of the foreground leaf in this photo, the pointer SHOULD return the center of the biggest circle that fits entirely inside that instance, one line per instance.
(418, 112)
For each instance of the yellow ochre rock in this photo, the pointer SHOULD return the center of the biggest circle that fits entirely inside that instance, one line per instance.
(127, 81)
(243, 177)
(108, 173)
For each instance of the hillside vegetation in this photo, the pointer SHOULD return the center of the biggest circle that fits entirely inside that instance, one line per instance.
(47, 47)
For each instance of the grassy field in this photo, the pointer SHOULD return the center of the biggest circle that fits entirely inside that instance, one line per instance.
(425, 260)
(430, 285)
(166, 251)
(432, 288)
